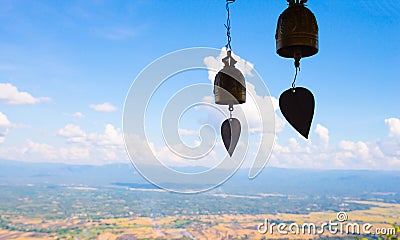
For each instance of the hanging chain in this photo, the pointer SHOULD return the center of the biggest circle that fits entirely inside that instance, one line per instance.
(228, 25)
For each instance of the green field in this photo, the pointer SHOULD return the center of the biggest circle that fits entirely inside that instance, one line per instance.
(81, 212)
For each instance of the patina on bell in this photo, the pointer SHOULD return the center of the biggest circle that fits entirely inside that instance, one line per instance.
(229, 84)
(297, 31)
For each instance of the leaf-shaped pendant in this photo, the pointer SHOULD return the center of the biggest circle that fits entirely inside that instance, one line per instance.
(230, 132)
(297, 106)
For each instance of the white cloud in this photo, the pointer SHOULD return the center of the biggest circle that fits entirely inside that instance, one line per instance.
(77, 115)
(394, 127)
(73, 133)
(378, 154)
(44, 152)
(107, 146)
(322, 133)
(81, 148)
(11, 95)
(4, 120)
(4, 126)
(253, 113)
(104, 107)
(111, 137)
(145, 152)
(358, 149)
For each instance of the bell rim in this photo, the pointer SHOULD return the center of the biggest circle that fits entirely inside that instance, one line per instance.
(287, 50)
(230, 102)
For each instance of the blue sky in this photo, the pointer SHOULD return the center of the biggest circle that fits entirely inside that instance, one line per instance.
(77, 59)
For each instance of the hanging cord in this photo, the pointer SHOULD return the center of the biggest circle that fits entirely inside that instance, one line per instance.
(294, 80)
(297, 67)
(228, 25)
(230, 111)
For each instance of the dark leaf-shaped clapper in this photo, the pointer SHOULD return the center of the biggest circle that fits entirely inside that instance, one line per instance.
(297, 106)
(230, 132)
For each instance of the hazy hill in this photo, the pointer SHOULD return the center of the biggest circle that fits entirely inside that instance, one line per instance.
(14, 172)
(271, 180)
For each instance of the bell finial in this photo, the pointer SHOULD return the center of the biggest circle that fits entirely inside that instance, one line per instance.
(292, 2)
(229, 60)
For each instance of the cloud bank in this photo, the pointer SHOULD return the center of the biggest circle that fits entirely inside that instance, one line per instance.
(10, 94)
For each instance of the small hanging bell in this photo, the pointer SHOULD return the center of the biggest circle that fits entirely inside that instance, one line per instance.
(230, 89)
(229, 84)
(296, 32)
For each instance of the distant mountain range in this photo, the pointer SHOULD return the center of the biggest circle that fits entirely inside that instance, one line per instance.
(271, 180)
(15, 172)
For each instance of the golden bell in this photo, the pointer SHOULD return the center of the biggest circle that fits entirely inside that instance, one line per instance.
(229, 84)
(297, 31)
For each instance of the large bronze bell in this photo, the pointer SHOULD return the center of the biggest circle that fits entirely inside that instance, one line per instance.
(297, 37)
(229, 84)
(297, 31)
